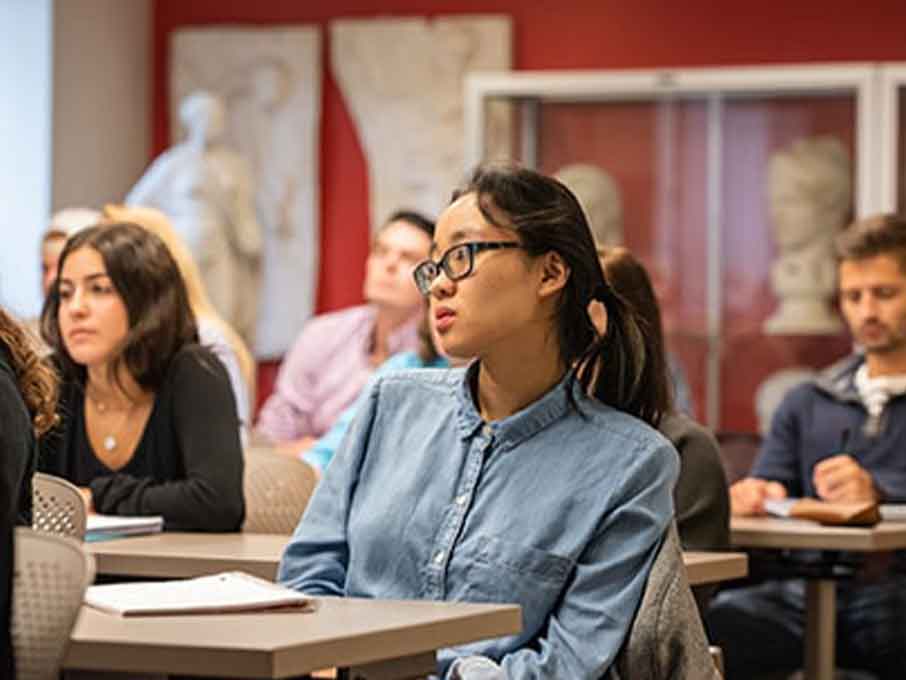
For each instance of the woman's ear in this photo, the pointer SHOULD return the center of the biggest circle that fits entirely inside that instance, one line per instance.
(554, 274)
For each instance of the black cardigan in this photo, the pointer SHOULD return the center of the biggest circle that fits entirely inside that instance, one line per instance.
(187, 465)
(17, 448)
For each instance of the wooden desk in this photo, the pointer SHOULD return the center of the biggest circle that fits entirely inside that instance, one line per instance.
(184, 555)
(379, 639)
(714, 567)
(821, 603)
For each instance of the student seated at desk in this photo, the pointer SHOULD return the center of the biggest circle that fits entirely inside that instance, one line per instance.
(531, 476)
(28, 391)
(336, 353)
(148, 419)
(840, 437)
(700, 497)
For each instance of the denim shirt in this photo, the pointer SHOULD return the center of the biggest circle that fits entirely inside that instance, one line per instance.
(557, 511)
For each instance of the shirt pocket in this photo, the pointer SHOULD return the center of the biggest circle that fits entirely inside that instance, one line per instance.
(505, 571)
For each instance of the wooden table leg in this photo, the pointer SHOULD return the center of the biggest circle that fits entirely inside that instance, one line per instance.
(820, 629)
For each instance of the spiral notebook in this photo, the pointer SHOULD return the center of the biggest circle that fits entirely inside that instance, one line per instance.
(227, 592)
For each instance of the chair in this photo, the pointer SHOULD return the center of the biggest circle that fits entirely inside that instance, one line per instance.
(277, 489)
(667, 639)
(51, 575)
(57, 506)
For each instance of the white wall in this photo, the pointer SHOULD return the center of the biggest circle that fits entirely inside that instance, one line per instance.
(75, 82)
(25, 122)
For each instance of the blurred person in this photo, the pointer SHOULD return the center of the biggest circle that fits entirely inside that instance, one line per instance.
(28, 393)
(336, 353)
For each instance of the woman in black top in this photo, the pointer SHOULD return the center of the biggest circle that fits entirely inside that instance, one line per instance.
(28, 392)
(149, 423)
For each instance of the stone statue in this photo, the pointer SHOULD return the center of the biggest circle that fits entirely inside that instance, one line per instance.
(402, 79)
(810, 199)
(270, 81)
(206, 190)
(599, 197)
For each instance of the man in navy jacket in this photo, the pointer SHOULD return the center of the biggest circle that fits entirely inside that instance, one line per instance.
(841, 437)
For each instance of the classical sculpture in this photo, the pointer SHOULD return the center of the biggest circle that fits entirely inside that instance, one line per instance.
(402, 79)
(810, 198)
(599, 197)
(206, 190)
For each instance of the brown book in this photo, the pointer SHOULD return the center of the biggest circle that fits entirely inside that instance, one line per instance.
(864, 513)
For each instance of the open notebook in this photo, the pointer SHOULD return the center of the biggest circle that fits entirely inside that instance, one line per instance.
(231, 591)
(99, 527)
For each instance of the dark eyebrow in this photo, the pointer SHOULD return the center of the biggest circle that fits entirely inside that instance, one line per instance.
(458, 236)
(90, 277)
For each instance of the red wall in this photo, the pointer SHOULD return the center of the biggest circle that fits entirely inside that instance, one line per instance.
(568, 34)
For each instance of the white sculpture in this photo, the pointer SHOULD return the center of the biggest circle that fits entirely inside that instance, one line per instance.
(403, 82)
(810, 198)
(206, 190)
(599, 197)
(270, 80)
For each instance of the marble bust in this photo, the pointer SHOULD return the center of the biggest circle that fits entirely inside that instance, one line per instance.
(599, 197)
(810, 199)
(207, 192)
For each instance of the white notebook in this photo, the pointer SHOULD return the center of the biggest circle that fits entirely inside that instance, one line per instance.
(231, 591)
(894, 512)
(103, 526)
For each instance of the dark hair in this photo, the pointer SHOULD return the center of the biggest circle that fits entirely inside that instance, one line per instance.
(630, 281)
(37, 383)
(147, 278)
(871, 236)
(416, 219)
(547, 217)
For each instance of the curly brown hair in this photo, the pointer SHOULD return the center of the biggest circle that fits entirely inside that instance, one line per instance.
(38, 383)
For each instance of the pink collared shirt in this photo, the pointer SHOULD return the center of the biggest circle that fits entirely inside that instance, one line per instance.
(324, 372)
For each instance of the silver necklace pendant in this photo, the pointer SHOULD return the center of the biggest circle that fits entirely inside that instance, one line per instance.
(109, 442)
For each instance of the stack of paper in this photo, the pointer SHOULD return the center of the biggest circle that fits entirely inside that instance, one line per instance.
(894, 512)
(825, 512)
(231, 591)
(99, 527)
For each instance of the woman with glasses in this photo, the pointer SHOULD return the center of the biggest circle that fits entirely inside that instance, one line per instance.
(533, 475)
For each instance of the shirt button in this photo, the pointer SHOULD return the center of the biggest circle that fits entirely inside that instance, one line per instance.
(439, 557)
(487, 431)
(461, 499)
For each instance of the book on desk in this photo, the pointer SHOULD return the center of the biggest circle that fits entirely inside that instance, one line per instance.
(103, 527)
(227, 592)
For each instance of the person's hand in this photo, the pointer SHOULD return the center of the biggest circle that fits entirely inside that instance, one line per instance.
(841, 478)
(88, 498)
(747, 496)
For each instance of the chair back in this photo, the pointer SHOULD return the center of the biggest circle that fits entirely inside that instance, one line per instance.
(277, 489)
(667, 640)
(57, 506)
(51, 575)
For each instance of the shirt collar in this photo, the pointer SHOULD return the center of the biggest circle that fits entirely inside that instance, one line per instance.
(512, 430)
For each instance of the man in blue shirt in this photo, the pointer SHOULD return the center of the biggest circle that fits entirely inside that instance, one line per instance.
(841, 438)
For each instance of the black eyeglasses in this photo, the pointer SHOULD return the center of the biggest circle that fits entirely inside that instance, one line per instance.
(457, 263)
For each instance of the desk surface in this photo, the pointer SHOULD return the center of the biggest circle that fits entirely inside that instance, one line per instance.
(184, 555)
(341, 632)
(713, 567)
(774, 532)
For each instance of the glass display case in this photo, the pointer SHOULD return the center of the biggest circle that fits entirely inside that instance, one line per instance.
(728, 184)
